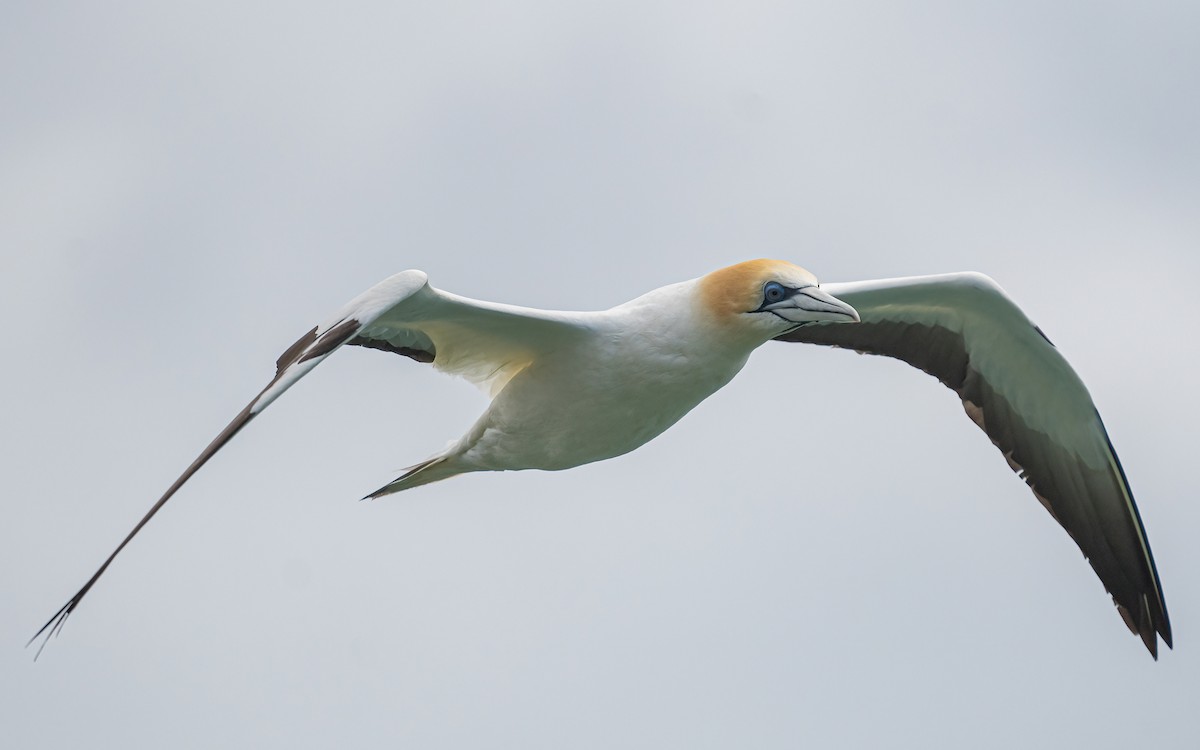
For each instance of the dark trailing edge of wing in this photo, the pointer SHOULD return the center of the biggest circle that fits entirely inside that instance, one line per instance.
(1110, 534)
(420, 355)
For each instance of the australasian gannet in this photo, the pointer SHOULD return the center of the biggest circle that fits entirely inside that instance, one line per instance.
(570, 388)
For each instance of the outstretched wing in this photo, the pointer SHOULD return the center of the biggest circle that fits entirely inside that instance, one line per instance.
(484, 342)
(1014, 384)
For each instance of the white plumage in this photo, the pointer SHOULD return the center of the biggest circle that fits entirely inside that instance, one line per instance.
(570, 388)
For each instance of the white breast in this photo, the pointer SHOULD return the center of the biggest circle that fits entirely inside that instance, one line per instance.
(644, 365)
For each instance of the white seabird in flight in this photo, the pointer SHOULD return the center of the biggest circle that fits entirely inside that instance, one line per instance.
(570, 388)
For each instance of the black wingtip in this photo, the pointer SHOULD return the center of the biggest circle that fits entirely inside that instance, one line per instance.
(1146, 625)
(53, 626)
(1151, 641)
(377, 493)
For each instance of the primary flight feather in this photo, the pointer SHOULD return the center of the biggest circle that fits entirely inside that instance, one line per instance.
(570, 388)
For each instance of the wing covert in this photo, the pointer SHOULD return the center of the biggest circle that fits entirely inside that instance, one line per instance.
(484, 342)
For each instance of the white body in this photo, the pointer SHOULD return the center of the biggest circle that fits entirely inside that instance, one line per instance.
(634, 371)
(570, 388)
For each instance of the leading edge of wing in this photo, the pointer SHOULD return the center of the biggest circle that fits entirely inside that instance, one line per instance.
(486, 343)
(1017, 387)
(297, 361)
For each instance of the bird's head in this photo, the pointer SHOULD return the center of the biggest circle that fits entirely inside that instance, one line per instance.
(765, 298)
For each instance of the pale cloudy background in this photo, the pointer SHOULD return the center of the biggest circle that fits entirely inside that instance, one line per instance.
(826, 554)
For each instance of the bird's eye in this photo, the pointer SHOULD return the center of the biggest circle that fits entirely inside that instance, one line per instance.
(773, 292)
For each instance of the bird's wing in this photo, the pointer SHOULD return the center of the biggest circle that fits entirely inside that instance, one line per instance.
(1014, 384)
(485, 342)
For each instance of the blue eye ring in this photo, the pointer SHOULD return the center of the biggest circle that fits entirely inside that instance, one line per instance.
(774, 292)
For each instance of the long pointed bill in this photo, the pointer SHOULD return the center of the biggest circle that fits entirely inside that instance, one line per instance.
(811, 305)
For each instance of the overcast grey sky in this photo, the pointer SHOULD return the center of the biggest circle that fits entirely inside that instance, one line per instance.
(825, 554)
